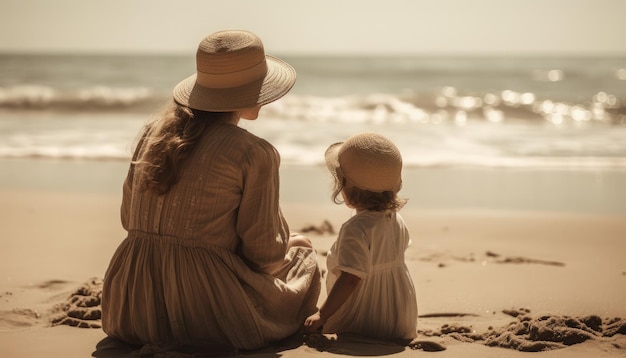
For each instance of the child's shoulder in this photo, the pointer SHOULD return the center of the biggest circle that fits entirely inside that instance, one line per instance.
(367, 219)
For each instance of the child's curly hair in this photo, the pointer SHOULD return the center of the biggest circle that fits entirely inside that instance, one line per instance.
(365, 199)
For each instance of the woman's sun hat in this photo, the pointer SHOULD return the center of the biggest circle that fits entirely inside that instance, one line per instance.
(368, 161)
(233, 72)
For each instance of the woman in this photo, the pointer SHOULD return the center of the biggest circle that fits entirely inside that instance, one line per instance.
(209, 260)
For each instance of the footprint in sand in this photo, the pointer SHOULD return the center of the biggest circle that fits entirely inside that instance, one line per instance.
(52, 284)
(18, 318)
(82, 309)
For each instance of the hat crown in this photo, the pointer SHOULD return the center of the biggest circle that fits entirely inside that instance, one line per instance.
(227, 59)
(229, 51)
(371, 162)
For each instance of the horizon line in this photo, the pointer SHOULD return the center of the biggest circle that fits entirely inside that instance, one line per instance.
(478, 54)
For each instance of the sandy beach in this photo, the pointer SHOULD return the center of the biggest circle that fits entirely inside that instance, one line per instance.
(491, 282)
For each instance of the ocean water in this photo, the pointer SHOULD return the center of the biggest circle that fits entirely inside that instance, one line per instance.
(545, 134)
(441, 112)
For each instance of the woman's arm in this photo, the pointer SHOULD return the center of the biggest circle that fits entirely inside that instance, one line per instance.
(341, 291)
(263, 231)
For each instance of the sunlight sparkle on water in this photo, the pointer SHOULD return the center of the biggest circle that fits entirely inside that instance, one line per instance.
(555, 75)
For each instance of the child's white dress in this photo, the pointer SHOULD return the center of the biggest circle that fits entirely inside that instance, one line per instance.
(371, 245)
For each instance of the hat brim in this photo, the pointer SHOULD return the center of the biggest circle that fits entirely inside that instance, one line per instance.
(278, 80)
(332, 158)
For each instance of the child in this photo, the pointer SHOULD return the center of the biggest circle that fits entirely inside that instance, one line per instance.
(370, 291)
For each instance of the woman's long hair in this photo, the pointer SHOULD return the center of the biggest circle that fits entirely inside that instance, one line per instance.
(168, 141)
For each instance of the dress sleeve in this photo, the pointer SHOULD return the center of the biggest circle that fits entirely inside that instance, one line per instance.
(352, 252)
(261, 226)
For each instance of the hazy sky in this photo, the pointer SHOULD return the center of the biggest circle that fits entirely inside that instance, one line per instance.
(378, 27)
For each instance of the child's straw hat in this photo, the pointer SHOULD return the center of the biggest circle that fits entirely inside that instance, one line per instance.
(233, 72)
(368, 161)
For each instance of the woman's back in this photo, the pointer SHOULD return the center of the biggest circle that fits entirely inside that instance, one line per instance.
(205, 202)
(191, 270)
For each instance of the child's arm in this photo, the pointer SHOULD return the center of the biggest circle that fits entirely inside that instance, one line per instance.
(343, 288)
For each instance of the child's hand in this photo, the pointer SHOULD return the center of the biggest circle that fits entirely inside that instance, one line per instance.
(314, 323)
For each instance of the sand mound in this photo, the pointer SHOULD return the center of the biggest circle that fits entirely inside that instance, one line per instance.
(82, 308)
(535, 334)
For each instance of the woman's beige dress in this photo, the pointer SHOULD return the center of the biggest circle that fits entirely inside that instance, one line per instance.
(206, 263)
